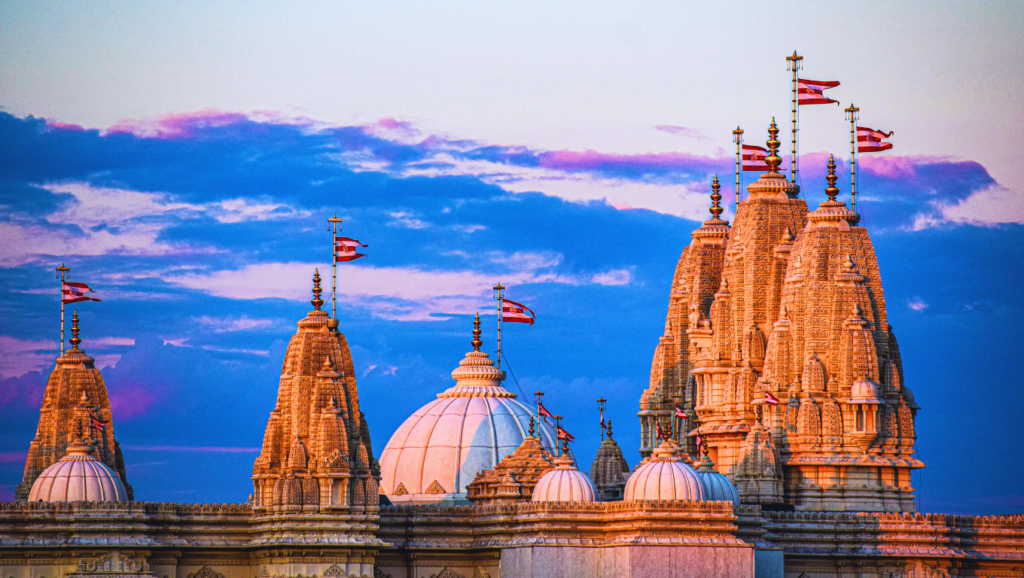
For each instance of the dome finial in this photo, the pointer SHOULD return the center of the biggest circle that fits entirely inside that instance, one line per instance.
(716, 210)
(565, 446)
(531, 425)
(773, 160)
(317, 301)
(609, 428)
(75, 340)
(476, 334)
(832, 190)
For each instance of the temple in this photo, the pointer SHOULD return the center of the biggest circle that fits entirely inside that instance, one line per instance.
(777, 440)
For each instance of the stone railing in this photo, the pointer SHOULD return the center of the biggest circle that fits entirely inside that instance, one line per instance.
(897, 535)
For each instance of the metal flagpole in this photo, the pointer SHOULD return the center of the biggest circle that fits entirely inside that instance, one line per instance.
(61, 270)
(852, 116)
(539, 395)
(335, 222)
(600, 403)
(794, 63)
(737, 137)
(558, 434)
(500, 297)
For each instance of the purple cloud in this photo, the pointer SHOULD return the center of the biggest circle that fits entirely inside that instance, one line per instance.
(682, 131)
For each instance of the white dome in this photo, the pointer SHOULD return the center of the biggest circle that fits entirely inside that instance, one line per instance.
(664, 477)
(717, 487)
(864, 392)
(438, 451)
(564, 483)
(78, 477)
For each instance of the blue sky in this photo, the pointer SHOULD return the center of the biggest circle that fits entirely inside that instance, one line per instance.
(184, 164)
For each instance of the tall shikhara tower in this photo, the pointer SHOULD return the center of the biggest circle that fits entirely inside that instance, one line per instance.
(799, 312)
(316, 451)
(75, 407)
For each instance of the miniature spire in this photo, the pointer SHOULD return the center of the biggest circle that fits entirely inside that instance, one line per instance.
(716, 210)
(773, 160)
(565, 446)
(832, 190)
(531, 426)
(476, 334)
(317, 301)
(75, 340)
(609, 428)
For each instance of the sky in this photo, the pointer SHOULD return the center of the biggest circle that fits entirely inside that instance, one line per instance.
(183, 159)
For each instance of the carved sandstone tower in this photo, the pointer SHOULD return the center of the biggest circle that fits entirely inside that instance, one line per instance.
(75, 407)
(698, 274)
(316, 453)
(845, 421)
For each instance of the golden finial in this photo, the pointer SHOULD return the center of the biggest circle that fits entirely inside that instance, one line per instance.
(75, 340)
(317, 301)
(565, 446)
(716, 210)
(832, 190)
(609, 428)
(773, 160)
(476, 334)
(531, 426)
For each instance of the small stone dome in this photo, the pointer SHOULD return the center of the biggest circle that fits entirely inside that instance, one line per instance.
(664, 477)
(78, 477)
(864, 392)
(717, 487)
(564, 483)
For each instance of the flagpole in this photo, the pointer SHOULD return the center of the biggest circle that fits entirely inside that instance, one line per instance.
(540, 428)
(852, 116)
(794, 63)
(558, 434)
(498, 292)
(62, 269)
(335, 222)
(600, 403)
(737, 137)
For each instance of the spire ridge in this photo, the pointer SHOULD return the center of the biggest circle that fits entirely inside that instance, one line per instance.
(832, 190)
(75, 340)
(317, 301)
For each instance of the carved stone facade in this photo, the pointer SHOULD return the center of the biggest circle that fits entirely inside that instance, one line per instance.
(316, 451)
(515, 476)
(75, 407)
(799, 313)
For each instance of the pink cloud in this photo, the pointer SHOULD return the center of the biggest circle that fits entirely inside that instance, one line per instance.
(682, 131)
(179, 125)
(890, 167)
(64, 126)
(591, 160)
(131, 401)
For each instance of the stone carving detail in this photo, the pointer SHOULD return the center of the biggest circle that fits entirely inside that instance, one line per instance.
(481, 572)
(447, 573)
(435, 488)
(400, 490)
(264, 573)
(113, 563)
(514, 477)
(335, 571)
(206, 572)
(316, 434)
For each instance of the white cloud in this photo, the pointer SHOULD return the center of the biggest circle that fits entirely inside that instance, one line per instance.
(917, 304)
(994, 204)
(232, 324)
(20, 356)
(241, 210)
(615, 277)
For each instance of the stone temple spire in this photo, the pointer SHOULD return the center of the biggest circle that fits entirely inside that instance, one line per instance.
(316, 454)
(75, 408)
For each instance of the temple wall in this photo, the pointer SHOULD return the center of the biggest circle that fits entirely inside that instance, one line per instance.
(634, 561)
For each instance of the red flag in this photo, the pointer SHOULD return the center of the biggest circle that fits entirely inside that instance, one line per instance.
(770, 398)
(812, 91)
(96, 424)
(602, 418)
(700, 444)
(660, 432)
(564, 435)
(516, 312)
(869, 140)
(72, 292)
(345, 249)
(543, 412)
(753, 158)
(680, 413)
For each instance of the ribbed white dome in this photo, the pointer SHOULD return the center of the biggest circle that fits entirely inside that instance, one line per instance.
(664, 477)
(78, 477)
(864, 392)
(564, 483)
(469, 428)
(717, 487)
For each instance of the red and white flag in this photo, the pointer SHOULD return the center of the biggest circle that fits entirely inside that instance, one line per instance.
(543, 412)
(516, 312)
(602, 419)
(753, 158)
(812, 91)
(564, 435)
(96, 424)
(72, 292)
(680, 413)
(700, 443)
(770, 398)
(869, 140)
(660, 432)
(345, 249)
